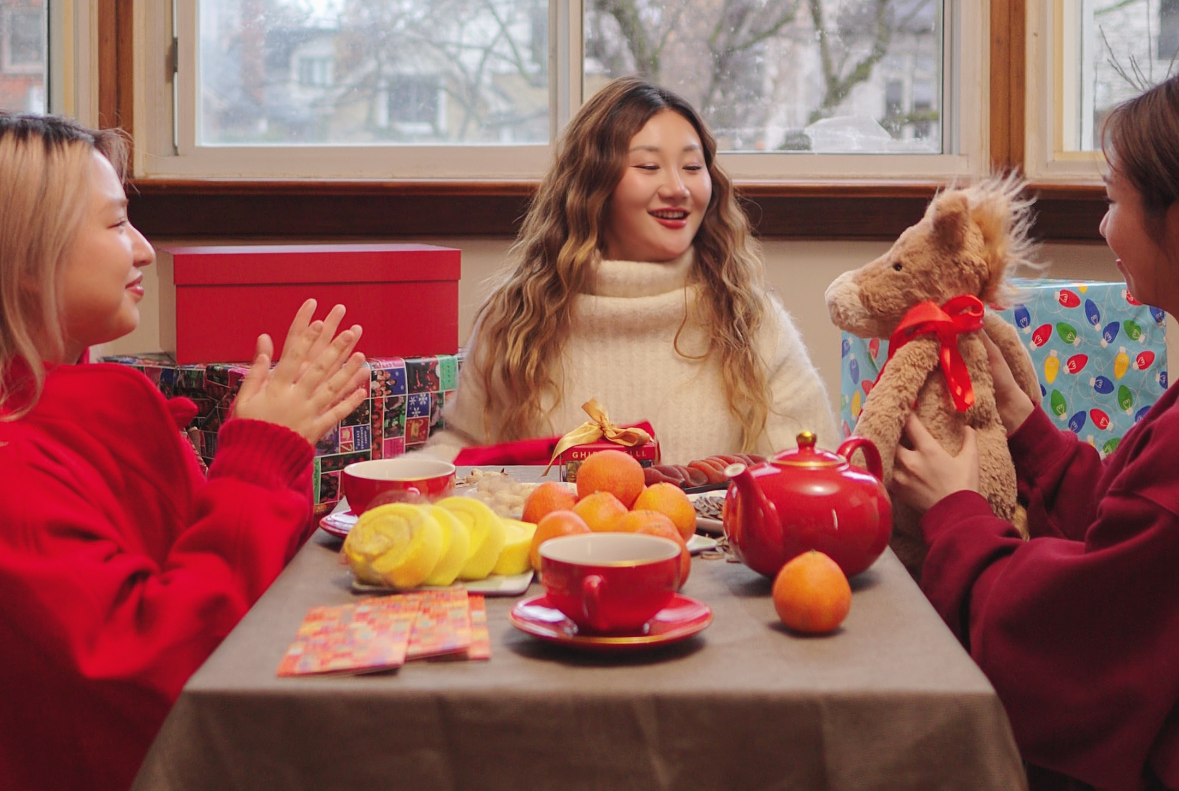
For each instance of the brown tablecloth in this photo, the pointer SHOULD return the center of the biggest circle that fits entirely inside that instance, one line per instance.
(890, 701)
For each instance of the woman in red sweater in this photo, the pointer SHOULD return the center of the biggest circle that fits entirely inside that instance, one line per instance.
(121, 565)
(1078, 628)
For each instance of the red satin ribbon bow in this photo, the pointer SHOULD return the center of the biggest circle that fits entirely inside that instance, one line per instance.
(960, 314)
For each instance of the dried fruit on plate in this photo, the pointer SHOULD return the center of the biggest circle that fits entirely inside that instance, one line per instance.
(702, 472)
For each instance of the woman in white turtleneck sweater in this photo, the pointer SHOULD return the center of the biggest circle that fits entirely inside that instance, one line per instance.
(636, 283)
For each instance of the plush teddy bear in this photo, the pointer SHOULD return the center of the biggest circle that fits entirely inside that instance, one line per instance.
(927, 296)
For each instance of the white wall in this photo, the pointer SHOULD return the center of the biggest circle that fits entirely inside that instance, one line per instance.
(799, 271)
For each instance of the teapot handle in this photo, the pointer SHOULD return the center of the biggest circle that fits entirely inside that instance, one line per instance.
(871, 453)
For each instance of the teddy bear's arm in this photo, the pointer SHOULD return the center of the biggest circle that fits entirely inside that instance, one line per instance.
(1017, 357)
(888, 405)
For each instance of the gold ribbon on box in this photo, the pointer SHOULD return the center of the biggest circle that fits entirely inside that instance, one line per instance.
(598, 427)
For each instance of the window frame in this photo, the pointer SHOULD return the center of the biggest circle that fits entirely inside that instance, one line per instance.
(782, 208)
(1050, 100)
(963, 97)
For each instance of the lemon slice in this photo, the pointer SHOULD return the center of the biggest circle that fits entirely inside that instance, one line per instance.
(396, 545)
(488, 535)
(513, 559)
(455, 549)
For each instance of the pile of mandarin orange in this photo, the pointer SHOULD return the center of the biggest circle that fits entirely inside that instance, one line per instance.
(611, 496)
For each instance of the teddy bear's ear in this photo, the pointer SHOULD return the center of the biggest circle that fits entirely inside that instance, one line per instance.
(951, 217)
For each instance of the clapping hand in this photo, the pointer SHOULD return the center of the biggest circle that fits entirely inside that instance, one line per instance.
(317, 382)
(925, 472)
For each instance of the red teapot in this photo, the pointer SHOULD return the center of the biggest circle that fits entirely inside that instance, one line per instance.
(809, 498)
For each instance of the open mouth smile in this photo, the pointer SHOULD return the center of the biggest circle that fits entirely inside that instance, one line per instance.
(674, 219)
(670, 214)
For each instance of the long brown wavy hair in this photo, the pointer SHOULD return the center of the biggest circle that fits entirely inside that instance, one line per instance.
(45, 165)
(523, 324)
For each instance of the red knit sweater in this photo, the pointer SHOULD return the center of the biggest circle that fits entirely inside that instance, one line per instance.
(1078, 628)
(122, 567)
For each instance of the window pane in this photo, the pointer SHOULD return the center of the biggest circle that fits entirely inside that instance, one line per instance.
(1123, 48)
(827, 76)
(23, 56)
(336, 72)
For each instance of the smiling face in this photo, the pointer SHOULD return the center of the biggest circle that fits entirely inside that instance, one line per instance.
(659, 204)
(1151, 273)
(100, 282)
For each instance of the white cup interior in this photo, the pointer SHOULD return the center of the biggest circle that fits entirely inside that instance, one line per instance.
(609, 549)
(400, 469)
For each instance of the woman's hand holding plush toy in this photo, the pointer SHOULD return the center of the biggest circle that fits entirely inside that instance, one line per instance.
(317, 381)
(924, 472)
(1013, 403)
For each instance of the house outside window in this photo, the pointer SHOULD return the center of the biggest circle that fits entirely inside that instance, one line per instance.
(779, 82)
(315, 72)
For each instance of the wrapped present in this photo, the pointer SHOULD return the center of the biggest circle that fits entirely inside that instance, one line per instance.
(1100, 356)
(598, 433)
(172, 379)
(402, 410)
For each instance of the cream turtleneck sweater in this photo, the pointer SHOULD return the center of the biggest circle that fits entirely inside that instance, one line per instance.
(621, 350)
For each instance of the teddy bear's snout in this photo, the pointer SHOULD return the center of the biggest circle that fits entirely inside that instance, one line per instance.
(843, 303)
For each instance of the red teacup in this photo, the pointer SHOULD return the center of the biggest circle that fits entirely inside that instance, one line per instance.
(610, 582)
(404, 479)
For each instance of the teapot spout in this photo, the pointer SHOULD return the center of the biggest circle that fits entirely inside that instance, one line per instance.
(760, 516)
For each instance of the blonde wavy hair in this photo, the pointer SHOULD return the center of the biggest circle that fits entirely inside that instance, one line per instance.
(45, 166)
(523, 324)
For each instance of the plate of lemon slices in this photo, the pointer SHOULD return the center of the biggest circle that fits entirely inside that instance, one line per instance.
(457, 540)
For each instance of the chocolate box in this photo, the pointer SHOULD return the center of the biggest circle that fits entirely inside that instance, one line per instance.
(569, 460)
(1100, 356)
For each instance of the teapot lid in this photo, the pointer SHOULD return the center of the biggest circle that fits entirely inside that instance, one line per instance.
(807, 455)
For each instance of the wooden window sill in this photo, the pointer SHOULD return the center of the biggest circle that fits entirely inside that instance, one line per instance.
(820, 210)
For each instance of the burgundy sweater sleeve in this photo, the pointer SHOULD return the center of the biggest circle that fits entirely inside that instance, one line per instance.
(1079, 638)
(1057, 476)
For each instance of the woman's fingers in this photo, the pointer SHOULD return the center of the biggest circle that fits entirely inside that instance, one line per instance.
(331, 323)
(259, 370)
(292, 363)
(317, 382)
(1000, 370)
(298, 324)
(337, 413)
(918, 434)
(345, 379)
(321, 368)
(969, 442)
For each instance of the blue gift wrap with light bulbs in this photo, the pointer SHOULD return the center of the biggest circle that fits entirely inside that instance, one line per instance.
(1101, 357)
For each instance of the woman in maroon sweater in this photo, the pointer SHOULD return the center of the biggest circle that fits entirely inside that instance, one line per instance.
(121, 565)
(1078, 628)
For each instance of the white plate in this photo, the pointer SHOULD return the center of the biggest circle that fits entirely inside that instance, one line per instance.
(514, 513)
(698, 543)
(495, 585)
(711, 526)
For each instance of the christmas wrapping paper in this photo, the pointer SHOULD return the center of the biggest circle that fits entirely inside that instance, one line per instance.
(1100, 356)
(402, 410)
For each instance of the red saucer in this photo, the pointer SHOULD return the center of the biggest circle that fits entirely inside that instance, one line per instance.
(338, 523)
(679, 620)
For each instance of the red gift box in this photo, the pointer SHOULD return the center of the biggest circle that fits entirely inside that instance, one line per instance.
(570, 459)
(599, 433)
(404, 295)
